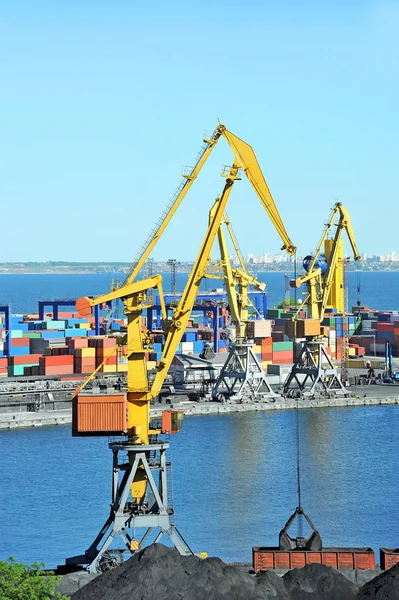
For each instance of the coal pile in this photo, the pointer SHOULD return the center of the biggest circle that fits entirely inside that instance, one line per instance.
(382, 587)
(162, 573)
(318, 581)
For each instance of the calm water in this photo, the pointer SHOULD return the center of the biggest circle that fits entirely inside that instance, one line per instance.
(378, 290)
(234, 483)
(234, 475)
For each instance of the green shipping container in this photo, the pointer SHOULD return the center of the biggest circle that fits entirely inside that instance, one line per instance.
(16, 370)
(54, 324)
(328, 321)
(274, 313)
(282, 346)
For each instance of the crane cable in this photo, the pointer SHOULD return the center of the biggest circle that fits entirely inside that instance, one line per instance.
(298, 469)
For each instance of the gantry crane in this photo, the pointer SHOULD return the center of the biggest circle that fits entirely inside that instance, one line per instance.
(325, 281)
(241, 378)
(141, 497)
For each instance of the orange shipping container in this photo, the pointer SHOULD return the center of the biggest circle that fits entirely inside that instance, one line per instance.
(28, 359)
(99, 414)
(86, 365)
(51, 361)
(20, 342)
(76, 342)
(106, 342)
(107, 361)
(57, 370)
(307, 327)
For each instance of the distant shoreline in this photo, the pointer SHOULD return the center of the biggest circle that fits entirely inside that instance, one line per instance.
(165, 270)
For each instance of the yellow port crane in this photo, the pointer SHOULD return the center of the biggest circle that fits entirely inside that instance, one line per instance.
(138, 499)
(241, 378)
(325, 281)
(324, 278)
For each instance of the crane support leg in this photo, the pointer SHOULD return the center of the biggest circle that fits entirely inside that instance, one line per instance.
(126, 516)
(242, 378)
(313, 373)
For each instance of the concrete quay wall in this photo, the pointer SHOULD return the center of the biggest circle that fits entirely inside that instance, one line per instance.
(64, 416)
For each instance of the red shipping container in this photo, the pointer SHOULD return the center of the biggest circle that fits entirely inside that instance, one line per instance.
(106, 342)
(65, 359)
(77, 342)
(25, 360)
(58, 370)
(4, 361)
(19, 342)
(283, 354)
(385, 326)
(111, 360)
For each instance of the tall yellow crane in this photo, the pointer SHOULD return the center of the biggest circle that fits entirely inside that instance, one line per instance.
(241, 378)
(313, 371)
(138, 499)
(324, 278)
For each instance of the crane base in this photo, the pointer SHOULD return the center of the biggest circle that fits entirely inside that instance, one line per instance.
(242, 377)
(313, 373)
(154, 513)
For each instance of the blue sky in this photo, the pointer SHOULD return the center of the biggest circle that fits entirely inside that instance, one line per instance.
(102, 103)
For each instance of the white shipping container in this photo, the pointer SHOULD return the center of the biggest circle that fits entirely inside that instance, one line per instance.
(187, 347)
(259, 328)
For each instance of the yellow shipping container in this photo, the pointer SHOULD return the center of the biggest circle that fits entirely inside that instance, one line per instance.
(358, 364)
(108, 368)
(121, 367)
(265, 363)
(257, 349)
(352, 351)
(84, 325)
(86, 352)
(151, 364)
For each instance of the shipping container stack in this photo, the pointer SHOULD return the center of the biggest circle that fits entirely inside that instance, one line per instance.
(376, 328)
(68, 346)
(63, 347)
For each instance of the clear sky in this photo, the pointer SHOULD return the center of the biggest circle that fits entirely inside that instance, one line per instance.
(102, 103)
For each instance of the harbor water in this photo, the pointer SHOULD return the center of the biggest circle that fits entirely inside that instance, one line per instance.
(234, 475)
(234, 479)
(378, 290)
